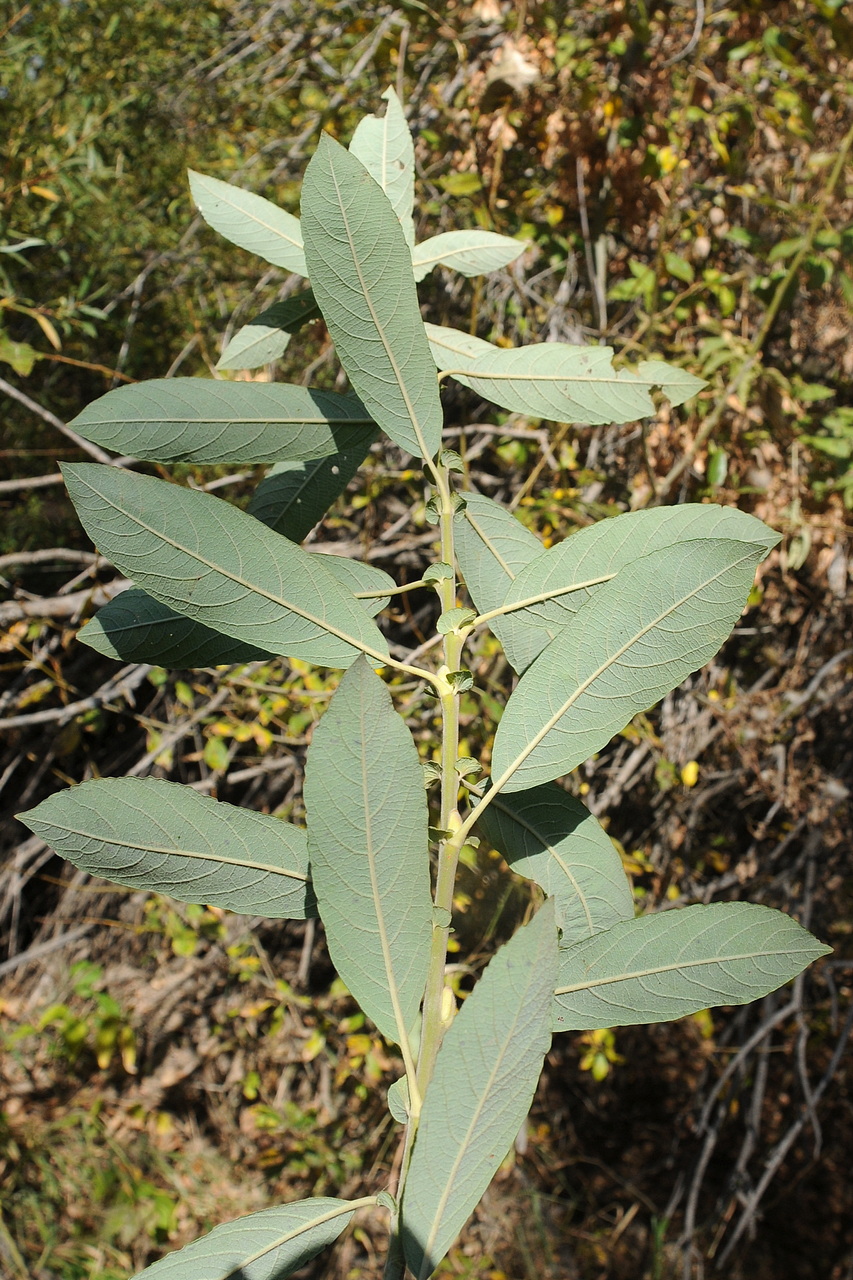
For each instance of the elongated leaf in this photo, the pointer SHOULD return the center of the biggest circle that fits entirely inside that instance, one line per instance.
(137, 628)
(167, 838)
(198, 420)
(254, 345)
(356, 576)
(217, 565)
(592, 554)
(361, 272)
(269, 1245)
(471, 253)
(295, 495)
(550, 837)
(492, 548)
(664, 966)
(557, 381)
(636, 638)
(484, 1081)
(266, 338)
(250, 221)
(367, 817)
(384, 146)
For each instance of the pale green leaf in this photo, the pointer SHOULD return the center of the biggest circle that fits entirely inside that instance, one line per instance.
(167, 838)
(361, 272)
(269, 1245)
(265, 339)
(481, 1090)
(200, 420)
(592, 555)
(471, 253)
(135, 627)
(250, 221)
(294, 496)
(557, 381)
(660, 967)
(384, 146)
(355, 576)
(550, 837)
(219, 566)
(492, 549)
(367, 819)
(254, 345)
(636, 638)
(398, 1100)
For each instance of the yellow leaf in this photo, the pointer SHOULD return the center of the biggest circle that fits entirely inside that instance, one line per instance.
(45, 193)
(690, 774)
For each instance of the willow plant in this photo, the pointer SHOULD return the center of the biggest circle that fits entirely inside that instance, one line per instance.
(597, 628)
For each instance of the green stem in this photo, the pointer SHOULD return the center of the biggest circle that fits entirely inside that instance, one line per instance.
(389, 591)
(539, 599)
(448, 852)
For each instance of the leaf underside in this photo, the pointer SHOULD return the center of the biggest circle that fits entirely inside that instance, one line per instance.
(250, 221)
(481, 1090)
(664, 966)
(164, 837)
(637, 637)
(361, 274)
(269, 1245)
(206, 421)
(385, 148)
(602, 550)
(548, 836)
(294, 496)
(217, 565)
(368, 846)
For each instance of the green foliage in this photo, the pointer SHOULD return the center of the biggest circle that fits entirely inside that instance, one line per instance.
(602, 626)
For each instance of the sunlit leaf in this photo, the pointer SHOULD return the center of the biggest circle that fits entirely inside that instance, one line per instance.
(269, 1245)
(250, 221)
(201, 420)
(660, 967)
(384, 146)
(557, 381)
(367, 819)
(634, 640)
(492, 549)
(362, 278)
(593, 554)
(217, 565)
(471, 253)
(155, 835)
(481, 1090)
(265, 339)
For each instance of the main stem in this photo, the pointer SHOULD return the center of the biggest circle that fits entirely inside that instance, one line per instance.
(448, 849)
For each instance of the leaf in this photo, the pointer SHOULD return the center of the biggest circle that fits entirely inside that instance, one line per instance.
(269, 1245)
(492, 548)
(134, 627)
(266, 338)
(294, 496)
(634, 640)
(167, 838)
(663, 966)
(384, 146)
(250, 221)
(484, 1081)
(216, 565)
(471, 253)
(361, 272)
(398, 1100)
(355, 576)
(367, 818)
(548, 836)
(20, 355)
(199, 420)
(601, 550)
(560, 382)
(254, 345)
